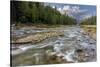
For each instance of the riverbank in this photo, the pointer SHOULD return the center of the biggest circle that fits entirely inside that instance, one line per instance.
(90, 30)
(39, 25)
(36, 38)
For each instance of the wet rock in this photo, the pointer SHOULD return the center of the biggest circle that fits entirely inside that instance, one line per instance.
(81, 57)
(84, 33)
(92, 49)
(79, 50)
(50, 53)
(53, 57)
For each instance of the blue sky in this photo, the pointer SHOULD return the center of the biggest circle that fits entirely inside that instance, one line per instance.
(79, 12)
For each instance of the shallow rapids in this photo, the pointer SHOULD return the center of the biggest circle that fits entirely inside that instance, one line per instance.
(74, 46)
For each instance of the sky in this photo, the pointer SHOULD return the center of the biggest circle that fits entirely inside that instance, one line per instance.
(79, 12)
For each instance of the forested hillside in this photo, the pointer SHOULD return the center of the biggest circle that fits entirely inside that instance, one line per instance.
(35, 12)
(89, 21)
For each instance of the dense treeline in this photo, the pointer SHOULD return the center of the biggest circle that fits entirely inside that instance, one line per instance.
(35, 12)
(89, 21)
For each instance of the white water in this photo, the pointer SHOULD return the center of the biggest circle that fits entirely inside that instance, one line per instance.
(65, 46)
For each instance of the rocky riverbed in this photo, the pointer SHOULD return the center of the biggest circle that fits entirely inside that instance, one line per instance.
(65, 44)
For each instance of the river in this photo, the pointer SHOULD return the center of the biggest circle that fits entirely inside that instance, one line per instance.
(75, 46)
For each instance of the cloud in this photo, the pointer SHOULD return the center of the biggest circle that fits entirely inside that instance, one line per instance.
(67, 7)
(60, 10)
(73, 11)
(86, 16)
